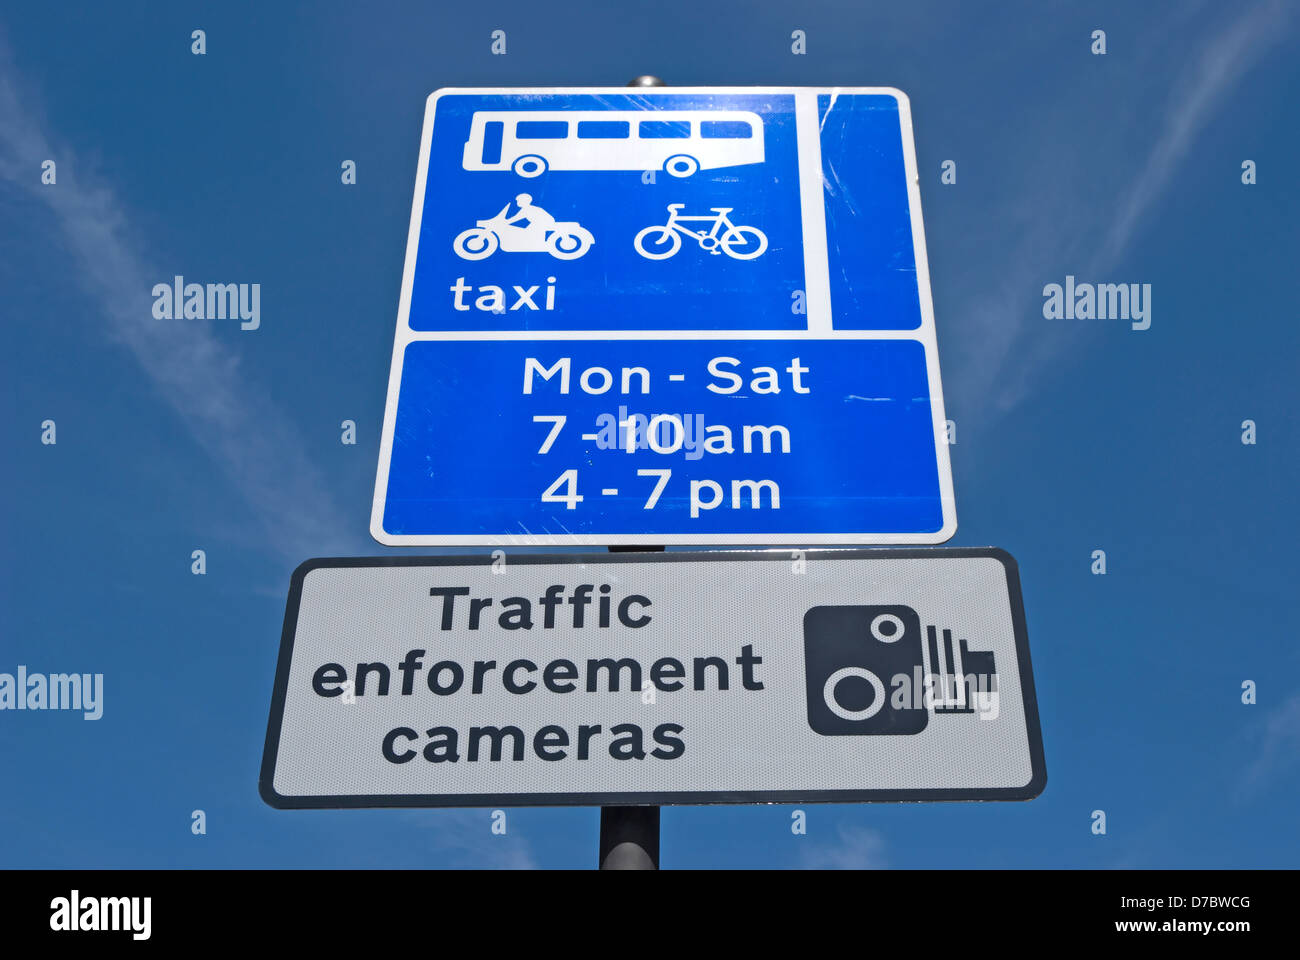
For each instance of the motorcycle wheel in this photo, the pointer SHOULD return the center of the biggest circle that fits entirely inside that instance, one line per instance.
(476, 243)
(569, 244)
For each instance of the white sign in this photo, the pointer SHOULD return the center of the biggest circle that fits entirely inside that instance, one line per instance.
(830, 675)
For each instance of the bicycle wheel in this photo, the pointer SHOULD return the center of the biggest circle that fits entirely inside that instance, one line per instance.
(663, 243)
(744, 243)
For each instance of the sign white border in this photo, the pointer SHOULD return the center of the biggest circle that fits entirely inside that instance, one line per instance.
(576, 562)
(819, 328)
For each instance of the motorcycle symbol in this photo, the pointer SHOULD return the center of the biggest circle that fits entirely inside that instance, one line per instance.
(529, 230)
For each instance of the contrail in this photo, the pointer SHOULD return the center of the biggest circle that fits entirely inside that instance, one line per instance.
(196, 372)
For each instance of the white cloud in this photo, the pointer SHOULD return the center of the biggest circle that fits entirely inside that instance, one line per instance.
(1004, 350)
(196, 372)
(1200, 91)
(464, 838)
(855, 848)
(1278, 749)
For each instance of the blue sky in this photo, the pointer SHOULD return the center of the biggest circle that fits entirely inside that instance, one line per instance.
(1072, 435)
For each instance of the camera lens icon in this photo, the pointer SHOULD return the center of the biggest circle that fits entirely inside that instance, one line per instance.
(887, 628)
(844, 673)
(854, 656)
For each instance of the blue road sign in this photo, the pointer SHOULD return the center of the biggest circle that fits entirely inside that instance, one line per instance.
(686, 316)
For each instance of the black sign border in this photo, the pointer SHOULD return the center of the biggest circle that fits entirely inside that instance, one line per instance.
(1029, 791)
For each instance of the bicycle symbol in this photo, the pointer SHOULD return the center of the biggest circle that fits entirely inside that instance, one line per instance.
(738, 242)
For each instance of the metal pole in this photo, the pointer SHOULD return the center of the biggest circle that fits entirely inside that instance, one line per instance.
(629, 836)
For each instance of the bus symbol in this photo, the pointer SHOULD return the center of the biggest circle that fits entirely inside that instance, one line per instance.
(679, 142)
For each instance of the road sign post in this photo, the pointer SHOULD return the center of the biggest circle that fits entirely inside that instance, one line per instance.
(629, 836)
(688, 317)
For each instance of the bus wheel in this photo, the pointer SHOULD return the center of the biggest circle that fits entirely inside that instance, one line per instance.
(681, 165)
(530, 165)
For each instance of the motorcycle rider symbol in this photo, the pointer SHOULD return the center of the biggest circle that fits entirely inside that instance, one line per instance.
(530, 229)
